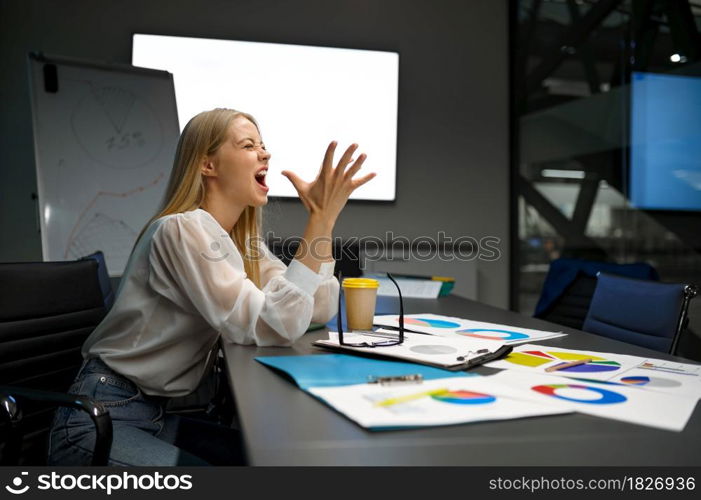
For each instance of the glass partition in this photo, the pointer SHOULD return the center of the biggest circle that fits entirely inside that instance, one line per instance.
(607, 104)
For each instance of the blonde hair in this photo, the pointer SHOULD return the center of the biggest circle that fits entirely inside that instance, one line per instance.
(202, 136)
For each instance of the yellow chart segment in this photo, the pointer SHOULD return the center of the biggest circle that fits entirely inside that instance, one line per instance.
(572, 356)
(525, 359)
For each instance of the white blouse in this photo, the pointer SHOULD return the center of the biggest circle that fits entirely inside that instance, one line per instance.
(184, 286)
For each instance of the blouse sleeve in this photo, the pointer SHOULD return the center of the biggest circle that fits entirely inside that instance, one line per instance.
(326, 296)
(195, 267)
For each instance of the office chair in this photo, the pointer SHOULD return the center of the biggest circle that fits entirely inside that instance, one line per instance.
(646, 313)
(103, 278)
(48, 309)
(569, 287)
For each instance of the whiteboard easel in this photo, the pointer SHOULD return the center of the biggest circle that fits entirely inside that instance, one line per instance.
(104, 138)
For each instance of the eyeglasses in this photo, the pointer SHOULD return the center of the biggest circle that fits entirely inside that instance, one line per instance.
(380, 343)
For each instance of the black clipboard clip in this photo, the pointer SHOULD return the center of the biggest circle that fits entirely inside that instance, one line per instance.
(490, 356)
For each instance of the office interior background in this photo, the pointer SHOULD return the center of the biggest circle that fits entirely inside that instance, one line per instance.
(514, 120)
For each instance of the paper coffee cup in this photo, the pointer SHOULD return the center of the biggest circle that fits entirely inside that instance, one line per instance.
(361, 295)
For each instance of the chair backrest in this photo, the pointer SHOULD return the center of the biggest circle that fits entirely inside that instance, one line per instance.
(103, 277)
(47, 311)
(570, 283)
(646, 313)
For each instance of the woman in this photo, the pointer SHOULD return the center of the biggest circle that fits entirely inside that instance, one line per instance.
(197, 274)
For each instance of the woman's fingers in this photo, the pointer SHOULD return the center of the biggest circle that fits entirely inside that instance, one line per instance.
(356, 183)
(356, 166)
(345, 159)
(327, 164)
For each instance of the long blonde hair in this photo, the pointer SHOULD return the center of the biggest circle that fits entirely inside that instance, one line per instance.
(202, 136)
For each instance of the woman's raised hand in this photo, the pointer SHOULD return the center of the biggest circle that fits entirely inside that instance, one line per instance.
(325, 196)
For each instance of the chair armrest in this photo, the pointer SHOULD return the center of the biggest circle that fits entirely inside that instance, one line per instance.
(99, 415)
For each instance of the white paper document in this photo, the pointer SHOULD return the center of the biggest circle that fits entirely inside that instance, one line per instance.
(448, 326)
(663, 376)
(436, 402)
(411, 288)
(672, 367)
(591, 365)
(427, 349)
(601, 399)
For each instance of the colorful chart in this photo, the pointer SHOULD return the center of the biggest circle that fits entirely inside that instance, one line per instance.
(538, 358)
(607, 397)
(669, 367)
(492, 334)
(650, 382)
(430, 322)
(464, 398)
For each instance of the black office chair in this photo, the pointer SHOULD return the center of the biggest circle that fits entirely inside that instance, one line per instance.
(646, 313)
(103, 278)
(48, 310)
(570, 284)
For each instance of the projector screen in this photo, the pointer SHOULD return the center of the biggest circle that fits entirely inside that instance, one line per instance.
(665, 153)
(303, 97)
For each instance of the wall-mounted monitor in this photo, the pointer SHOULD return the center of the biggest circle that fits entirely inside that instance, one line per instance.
(302, 97)
(665, 152)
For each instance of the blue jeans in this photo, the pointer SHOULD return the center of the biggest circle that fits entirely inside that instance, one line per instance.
(143, 433)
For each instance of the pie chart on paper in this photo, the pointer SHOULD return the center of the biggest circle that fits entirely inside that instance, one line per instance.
(580, 393)
(643, 381)
(535, 359)
(492, 334)
(464, 398)
(431, 323)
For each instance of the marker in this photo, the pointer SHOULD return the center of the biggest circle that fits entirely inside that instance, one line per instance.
(411, 397)
(568, 365)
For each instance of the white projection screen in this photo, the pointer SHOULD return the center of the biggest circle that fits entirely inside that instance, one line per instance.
(303, 97)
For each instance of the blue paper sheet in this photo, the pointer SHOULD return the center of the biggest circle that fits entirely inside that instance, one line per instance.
(331, 370)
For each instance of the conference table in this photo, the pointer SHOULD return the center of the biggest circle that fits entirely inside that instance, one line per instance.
(283, 425)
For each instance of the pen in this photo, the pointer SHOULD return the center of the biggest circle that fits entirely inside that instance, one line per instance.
(414, 378)
(568, 365)
(411, 397)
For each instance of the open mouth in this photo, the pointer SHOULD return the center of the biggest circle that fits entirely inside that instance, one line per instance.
(260, 177)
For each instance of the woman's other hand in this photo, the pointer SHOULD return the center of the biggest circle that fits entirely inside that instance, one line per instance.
(325, 196)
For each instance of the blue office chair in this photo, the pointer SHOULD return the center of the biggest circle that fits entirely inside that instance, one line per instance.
(570, 283)
(646, 313)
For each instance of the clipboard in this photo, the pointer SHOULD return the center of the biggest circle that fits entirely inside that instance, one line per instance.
(391, 353)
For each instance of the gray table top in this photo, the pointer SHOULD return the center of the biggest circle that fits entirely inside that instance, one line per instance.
(283, 425)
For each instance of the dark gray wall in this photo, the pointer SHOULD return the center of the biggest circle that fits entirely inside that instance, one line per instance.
(453, 102)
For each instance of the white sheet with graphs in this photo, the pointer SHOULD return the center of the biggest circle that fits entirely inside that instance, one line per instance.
(601, 399)
(658, 375)
(445, 401)
(449, 326)
(539, 359)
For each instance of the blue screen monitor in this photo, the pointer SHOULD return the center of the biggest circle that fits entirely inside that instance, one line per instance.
(665, 153)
